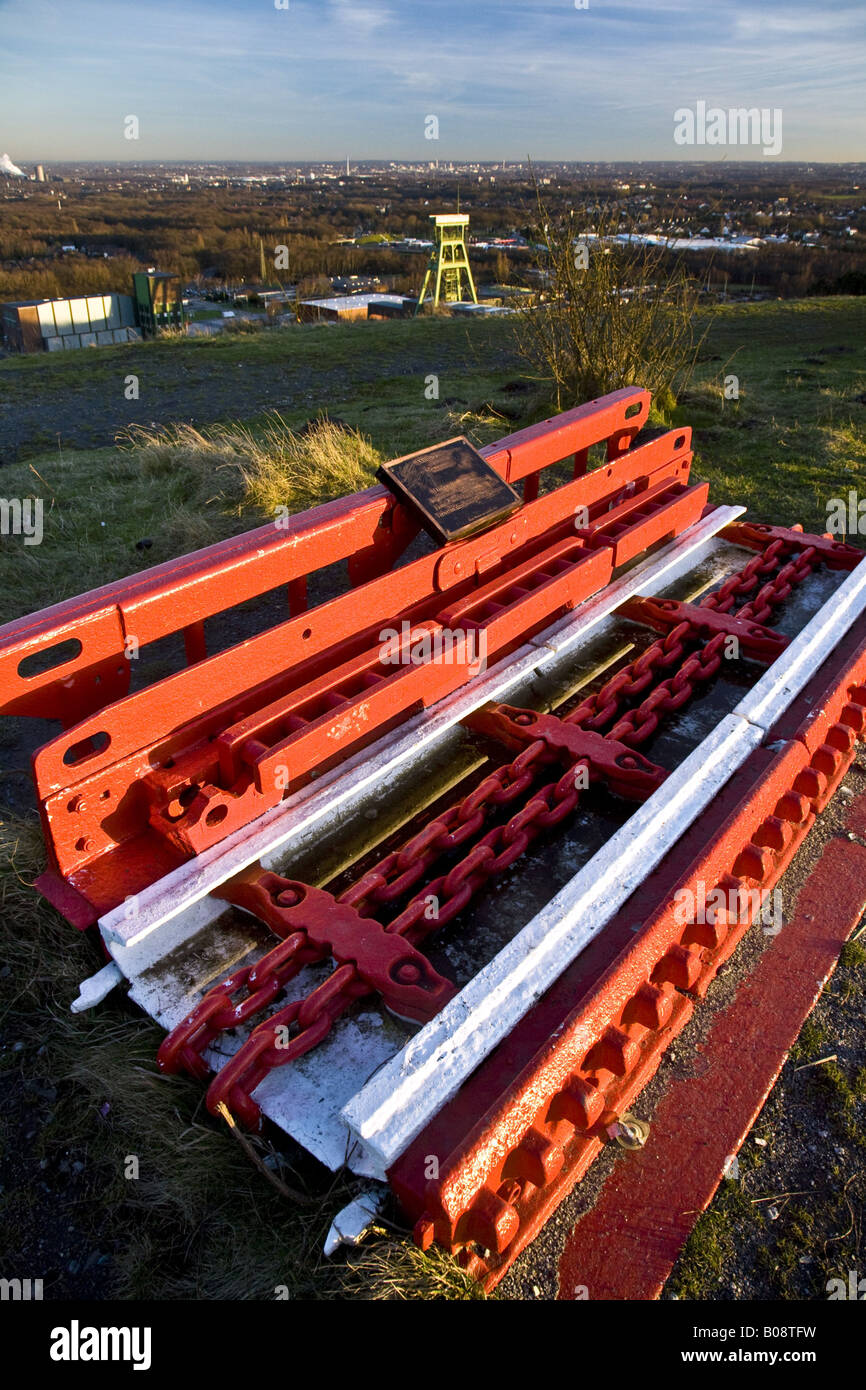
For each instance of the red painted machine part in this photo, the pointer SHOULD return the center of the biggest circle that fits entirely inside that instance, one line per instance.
(130, 792)
(525, 1127)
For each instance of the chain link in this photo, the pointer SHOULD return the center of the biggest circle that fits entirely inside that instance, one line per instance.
(389, 881)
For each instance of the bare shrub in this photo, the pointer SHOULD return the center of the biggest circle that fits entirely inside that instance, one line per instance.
(615, 312)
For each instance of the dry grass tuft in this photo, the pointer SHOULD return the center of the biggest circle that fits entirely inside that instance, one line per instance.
(270, 467)
(397, 1271)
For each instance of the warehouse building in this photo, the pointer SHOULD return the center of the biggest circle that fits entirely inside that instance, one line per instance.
(52, 325)
(344, 308)
(94, 320)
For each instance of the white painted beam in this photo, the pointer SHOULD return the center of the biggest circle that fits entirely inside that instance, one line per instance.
(314, 808)
(404, 1095)
(410, 1089)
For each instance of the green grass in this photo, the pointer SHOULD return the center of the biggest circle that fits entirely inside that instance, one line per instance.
(318, 346)
(794, 439)
(813, 1036)
(97, 505)
(797, 435)
(712, 1242)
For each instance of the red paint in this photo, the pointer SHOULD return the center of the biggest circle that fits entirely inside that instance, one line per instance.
(664, 614)
(139, 782)
(626, 1247)
(579, 1058)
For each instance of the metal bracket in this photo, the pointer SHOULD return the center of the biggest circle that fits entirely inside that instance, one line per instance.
(836, 555)
(388, 963)
(486, 552)
(625, 771)
(664, 614)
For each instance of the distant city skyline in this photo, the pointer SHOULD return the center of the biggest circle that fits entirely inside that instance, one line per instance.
(320, 80)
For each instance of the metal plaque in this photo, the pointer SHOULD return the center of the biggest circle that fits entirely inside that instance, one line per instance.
(454, 491)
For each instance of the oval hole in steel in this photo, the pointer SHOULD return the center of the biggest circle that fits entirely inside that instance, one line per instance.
(86, 748)
(37, 663)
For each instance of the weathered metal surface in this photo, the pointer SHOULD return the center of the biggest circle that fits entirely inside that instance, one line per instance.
(452, 489)
(145, 779)
(495, 902)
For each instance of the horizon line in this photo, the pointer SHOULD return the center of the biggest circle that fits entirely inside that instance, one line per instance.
(406, 159)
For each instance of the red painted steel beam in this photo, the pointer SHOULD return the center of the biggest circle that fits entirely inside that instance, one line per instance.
(585, 1051)
(133, 789)
(627, 1245)
(614, 419)
(93, 816)
(162, 708)
(639, 521)
(368, 529)
(169, 597)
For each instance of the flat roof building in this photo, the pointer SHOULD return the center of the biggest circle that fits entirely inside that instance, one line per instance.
(344, 308)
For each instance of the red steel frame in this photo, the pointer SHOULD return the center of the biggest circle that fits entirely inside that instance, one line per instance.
(141, 781)
(410, 872)
(528, 1123)
(625, 1247)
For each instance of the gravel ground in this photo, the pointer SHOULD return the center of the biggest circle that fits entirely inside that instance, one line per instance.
(79, 401)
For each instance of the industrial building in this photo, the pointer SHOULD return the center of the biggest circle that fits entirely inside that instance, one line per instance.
(94, 320)
(345, 308)
(158, 301)
(449, 261)
(52, 325)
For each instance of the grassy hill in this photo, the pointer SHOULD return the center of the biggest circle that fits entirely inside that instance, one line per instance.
(795, 437)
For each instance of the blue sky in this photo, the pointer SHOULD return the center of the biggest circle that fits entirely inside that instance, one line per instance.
(225, 79)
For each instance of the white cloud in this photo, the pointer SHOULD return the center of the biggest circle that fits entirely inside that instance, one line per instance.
(366, 17)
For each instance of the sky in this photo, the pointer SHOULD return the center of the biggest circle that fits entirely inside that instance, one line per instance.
(330, 79)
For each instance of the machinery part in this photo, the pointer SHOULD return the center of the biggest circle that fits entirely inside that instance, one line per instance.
(665, 615)
(625, 772)
(302, 817)
(143, 780)
(548, 1089)
(514, 1084)
(834, 554)
(542, 739)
